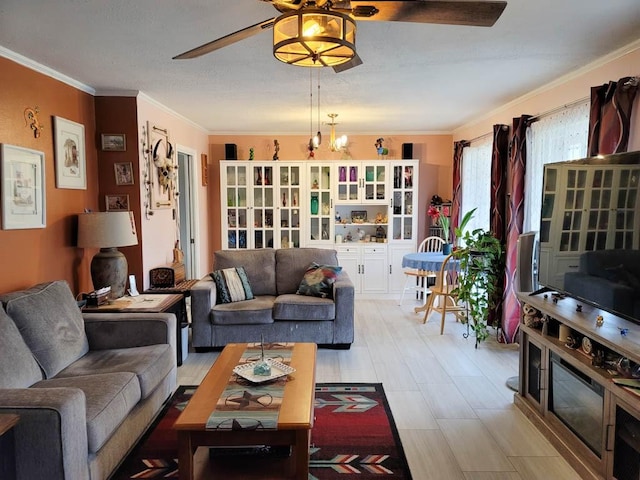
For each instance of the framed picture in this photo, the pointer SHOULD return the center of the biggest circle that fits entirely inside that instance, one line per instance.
(117, 203)
(124, 173)
(23, 188)
(71, 163)
(114, 142)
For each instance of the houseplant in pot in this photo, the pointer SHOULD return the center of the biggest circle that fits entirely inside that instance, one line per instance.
(443, 222)
(481, 267)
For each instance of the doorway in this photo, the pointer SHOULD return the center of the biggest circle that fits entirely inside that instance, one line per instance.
(188, 211)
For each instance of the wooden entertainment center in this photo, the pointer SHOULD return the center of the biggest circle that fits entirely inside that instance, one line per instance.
(569, 392)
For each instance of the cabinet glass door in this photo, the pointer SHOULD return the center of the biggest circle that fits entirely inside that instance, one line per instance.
(289, 182)
(402, 200)
(237, 207)
(320, 205)
(263, 207)
(348, 182)
(375, 182)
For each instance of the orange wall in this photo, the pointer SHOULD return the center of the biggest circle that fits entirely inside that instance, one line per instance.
(435, 153)
(38, 255)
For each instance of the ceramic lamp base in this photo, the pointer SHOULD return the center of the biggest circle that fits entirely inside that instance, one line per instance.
(109, 268)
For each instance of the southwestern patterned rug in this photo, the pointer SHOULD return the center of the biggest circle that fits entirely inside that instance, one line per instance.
(353, 434)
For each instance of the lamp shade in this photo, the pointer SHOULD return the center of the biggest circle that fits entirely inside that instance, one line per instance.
(106, 230)
(314, 37)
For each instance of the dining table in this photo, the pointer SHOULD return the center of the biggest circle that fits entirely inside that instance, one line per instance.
(428, 261)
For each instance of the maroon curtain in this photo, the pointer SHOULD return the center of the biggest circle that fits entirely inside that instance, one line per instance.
(610, 116)
(499, 163)
(457, 183)
(515, 221)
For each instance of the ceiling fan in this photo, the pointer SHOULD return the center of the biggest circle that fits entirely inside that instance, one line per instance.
(344, 12)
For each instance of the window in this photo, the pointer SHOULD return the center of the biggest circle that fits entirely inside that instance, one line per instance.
(553, 138)
(476, 183)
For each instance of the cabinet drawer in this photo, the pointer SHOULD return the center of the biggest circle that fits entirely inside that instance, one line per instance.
(371, 250)
(352, 249)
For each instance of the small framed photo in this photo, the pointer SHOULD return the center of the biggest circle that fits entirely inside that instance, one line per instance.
(71, 169)
(23, 188)
(124, 173)
(114, 142)
(117, 203)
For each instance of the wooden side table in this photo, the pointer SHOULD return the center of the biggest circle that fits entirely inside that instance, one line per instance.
(149, 303)
(7, 447)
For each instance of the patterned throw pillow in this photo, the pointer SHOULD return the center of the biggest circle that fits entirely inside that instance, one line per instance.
(232, 285)
(318, 280)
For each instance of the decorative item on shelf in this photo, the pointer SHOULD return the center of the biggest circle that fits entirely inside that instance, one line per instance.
(32, 121)
(599, 321)
(107, 231)
(251, 153)
(314, 204)
(358, 216)
(380, 218)
(276, 147)
(338, 217)
(381, 234)
(342, 175)
(361, 234)
(382, 151)
(353, 174)
(531, 317)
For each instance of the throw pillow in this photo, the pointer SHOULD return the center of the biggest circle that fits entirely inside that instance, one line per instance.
(232, 285)
(318, 280)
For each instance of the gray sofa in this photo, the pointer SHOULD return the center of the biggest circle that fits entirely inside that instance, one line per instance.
(610, 278)
(276, 312)
(85, 388)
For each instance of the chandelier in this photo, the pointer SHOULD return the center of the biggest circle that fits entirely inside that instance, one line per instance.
(314, 37)
(335, 144)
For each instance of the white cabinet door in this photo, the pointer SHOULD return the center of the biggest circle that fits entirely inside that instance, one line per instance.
(362, 182)
(349, 260)
(320, 211)
(396, 272)
(374, 269)
(366, 266)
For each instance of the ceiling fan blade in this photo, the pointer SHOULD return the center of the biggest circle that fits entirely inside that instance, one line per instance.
(226, 40)
(481, 14)
(354, 62)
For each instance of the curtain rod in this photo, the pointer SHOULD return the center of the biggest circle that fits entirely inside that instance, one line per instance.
(534, 118)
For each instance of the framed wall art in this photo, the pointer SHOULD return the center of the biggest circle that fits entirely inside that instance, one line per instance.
(71, 163)
(124, 173)
(117, 203)
(114, 142)
(23, 188)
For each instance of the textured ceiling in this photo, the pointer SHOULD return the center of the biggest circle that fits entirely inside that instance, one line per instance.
(416, 78)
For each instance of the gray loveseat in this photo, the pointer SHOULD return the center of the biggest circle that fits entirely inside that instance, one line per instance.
(276, 312)
(85, 388)
(610, 278)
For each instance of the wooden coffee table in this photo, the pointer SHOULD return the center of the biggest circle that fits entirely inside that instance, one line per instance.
(294, 421)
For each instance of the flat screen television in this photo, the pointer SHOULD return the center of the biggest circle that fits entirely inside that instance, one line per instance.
(589, 235)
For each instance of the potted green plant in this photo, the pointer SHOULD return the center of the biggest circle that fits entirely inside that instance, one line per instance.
(481, 267)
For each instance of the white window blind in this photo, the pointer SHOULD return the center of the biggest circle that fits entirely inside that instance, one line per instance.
(553, 138)
(476, 183)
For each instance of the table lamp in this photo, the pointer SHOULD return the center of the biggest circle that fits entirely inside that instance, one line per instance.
(107, 231)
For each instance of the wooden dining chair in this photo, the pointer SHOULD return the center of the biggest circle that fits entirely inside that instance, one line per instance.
(443, 297)
(420, 280)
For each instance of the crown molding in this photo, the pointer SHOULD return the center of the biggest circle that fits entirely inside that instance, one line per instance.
(157, 104)
(610, 57)
(43, 69)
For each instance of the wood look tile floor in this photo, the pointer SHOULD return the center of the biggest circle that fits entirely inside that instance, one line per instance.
(450, 402)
